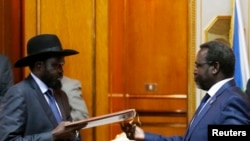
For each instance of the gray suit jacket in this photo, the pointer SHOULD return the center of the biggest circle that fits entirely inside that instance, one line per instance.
(73, 89)
(6, 75)
(25, 114)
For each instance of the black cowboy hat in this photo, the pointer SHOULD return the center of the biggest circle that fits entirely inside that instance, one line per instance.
(42, 46)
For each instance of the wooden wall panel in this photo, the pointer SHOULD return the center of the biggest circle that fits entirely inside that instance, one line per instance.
(161, 104)
(156, 46)
(148, 61)
(72, 21)
(101, 66)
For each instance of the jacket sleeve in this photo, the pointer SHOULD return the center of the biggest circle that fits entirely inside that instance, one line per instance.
(13, 117)
(156, 137)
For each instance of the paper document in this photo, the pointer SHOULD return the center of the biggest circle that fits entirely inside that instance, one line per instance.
(105, 119)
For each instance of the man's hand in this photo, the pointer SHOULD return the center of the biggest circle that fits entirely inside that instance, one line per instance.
(132, 131)
(63, 131)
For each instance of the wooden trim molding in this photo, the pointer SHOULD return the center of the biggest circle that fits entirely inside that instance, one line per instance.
(191, 57)
(176, 96)
(219, 27)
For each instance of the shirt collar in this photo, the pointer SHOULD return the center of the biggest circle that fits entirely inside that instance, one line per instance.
(43, 87)
(217, 86)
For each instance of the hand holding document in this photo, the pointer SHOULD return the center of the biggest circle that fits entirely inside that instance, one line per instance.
(104, 119)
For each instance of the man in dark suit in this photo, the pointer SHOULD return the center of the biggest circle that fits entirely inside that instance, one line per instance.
(6, 75)
(36, 108)
(225, 103)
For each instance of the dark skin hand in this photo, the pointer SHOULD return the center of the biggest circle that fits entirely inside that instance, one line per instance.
(132, 131)
(129, 129)
(63, 131)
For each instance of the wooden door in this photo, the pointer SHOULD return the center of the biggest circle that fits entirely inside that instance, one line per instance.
(148, 62)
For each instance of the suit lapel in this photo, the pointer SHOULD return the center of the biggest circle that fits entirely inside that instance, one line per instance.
(43, 102)
(200, 115)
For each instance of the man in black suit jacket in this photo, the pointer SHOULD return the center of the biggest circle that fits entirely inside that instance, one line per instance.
(25, 112)
(6, 75)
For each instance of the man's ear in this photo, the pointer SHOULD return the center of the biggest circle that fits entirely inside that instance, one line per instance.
(216, 67)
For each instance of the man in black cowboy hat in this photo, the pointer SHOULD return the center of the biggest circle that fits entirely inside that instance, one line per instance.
(36, 108)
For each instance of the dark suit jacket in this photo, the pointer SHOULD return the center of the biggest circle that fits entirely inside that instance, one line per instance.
(228, 106)
(25, 114)
(6, 75)
(248, 88)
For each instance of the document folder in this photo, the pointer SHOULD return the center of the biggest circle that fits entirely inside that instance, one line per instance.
(104, 119)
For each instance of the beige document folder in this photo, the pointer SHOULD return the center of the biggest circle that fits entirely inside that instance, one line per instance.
(105, 119)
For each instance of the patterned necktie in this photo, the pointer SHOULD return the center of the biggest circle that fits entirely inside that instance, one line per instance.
(52, 104)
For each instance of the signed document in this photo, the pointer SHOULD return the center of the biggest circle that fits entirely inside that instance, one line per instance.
(104, 119)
